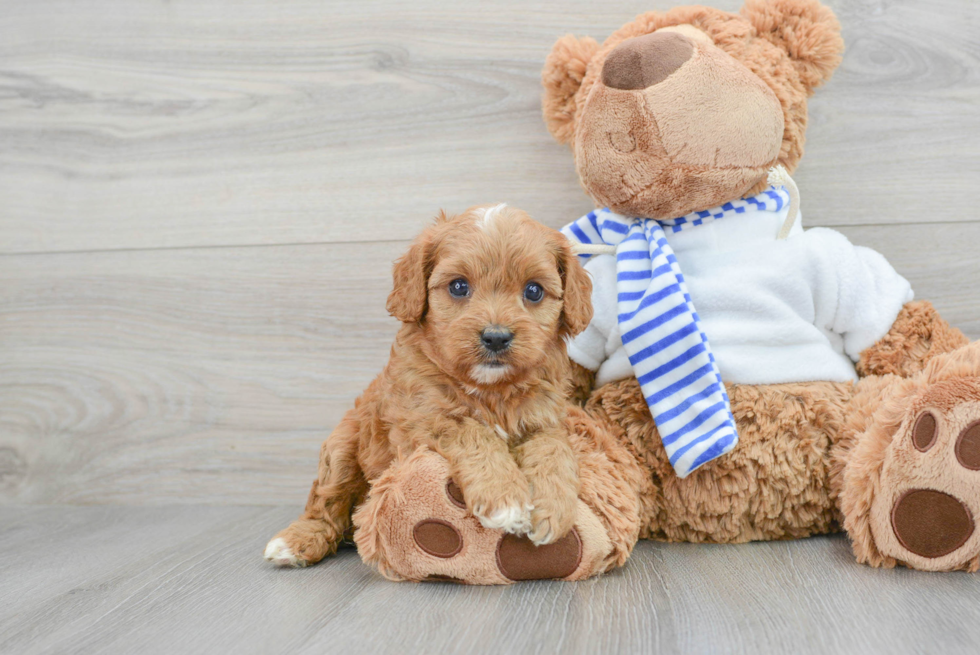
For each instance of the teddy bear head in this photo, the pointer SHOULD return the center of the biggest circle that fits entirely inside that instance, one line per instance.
(688, 109)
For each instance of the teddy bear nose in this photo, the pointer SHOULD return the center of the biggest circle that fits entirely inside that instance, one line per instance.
(643, 61)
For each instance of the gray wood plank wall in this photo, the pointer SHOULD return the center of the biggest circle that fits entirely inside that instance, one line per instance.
(200, 201)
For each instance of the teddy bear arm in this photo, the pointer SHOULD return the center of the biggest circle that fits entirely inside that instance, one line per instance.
(918, 334)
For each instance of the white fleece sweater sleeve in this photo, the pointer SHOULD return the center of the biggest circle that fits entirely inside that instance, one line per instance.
(590, 348)
(857, 293)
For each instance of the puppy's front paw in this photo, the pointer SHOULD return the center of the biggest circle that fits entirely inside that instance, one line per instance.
(279, 553)
(515, 519)
(551, 519)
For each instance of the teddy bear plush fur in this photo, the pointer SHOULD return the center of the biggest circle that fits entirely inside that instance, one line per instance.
(892, 459)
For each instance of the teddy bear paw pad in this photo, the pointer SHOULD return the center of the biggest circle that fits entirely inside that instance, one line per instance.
(931, 523)
(519, 559)
(925, 513)
(438, 538)
(423, 532)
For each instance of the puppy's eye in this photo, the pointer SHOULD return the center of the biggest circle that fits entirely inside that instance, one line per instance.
(533, 292)
(459, 288)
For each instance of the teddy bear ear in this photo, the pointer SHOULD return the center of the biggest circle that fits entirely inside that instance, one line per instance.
(562, 76)
(806, 29)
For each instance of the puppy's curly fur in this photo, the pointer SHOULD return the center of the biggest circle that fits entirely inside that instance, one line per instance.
(497, 417)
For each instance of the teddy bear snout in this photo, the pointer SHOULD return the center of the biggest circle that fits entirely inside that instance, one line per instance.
(643, 61)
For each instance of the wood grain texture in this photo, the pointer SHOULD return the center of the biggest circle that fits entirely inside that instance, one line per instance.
(203, 122)
(191, 579)
(212, 375)
(153, 376)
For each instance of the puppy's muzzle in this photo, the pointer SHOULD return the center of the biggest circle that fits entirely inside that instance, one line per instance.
(496, 339)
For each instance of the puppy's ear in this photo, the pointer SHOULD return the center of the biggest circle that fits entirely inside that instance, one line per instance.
(577, 286)
(408, 300)
(807, 30)
(562, 76)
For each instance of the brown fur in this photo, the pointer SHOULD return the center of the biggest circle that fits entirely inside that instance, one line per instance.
(611, 478)
(918, 335)
(562, 77)
(774, 485)
(583, 383)
(502, 429)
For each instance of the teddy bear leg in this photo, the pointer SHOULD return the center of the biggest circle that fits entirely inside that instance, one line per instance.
(414, 524)
(908, 466)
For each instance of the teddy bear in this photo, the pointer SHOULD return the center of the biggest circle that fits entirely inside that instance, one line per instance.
(743, 378)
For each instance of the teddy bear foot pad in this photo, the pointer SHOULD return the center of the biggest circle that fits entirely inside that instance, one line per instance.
(516, 556)
(415, 526)
(925, 513)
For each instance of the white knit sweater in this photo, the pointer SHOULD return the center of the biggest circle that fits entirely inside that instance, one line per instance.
(793, 310)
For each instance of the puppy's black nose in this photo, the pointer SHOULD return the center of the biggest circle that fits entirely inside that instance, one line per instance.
(496, 339)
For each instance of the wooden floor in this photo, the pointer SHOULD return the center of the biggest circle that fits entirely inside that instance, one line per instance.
(200, 201)
(189, 580)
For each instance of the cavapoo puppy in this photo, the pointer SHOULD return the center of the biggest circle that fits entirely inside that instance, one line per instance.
(478, 372)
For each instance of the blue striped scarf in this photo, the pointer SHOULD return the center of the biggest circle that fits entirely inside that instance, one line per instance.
(661, 330)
